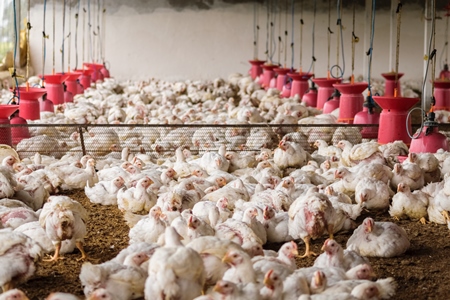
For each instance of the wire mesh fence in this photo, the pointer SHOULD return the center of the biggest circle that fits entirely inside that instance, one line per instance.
(157, 140)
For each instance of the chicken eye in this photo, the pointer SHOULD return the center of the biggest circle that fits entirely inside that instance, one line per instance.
(275, 278)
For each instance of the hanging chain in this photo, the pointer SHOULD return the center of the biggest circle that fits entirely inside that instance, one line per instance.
(313, 42)
(54, 33)
(280, 41)
(329, 33)
(63, 34)
(28, 41)
(272, 32)
(292, 34)
(255, 37)
(286, 34)
(267, 31)
(300, 70)
(104, 32)
(446, 38)
(433, 61)
(397, 50)
(84, 34)
(44, 37)
(338, 36)
(355, 39)
(99, 32)
(76, 35)
(69, 36)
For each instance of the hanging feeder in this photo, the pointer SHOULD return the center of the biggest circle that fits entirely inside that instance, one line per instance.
(96, 75)
(5, 132)
(282, 79)
(19, 133)
(310, 97)
(84, 80)
(368, 116)
(54, 87)
(300, 83)
(325, 89)
(72, 83)
(351, 100)
(332, 103)
(430, 139)
(442, 94)
(390, 83)
(256, 68)
(29, 102)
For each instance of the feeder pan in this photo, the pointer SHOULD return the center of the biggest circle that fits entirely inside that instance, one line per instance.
(105, 72)
(54, 87)
(68, 96)
(19, 133)
(85, 79)
(393, 118)
(281, 80)
(442, 94)
(267, 75)
(365, 117)
(351, 101)
(390, 86)
(46, 105)
(325, 90)
(255, 69)
(332, 104)
(96, 74)
(29, 104)
(430, 139)
(299, 84)
(5, 112)
(310, 97)
(71, 83)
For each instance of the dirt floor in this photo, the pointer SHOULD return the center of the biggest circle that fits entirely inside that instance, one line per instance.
(422, 273)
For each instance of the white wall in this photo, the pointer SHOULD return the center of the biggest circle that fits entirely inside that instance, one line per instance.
(204, 44)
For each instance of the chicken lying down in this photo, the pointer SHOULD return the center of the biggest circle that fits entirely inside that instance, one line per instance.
(136, 199)
(378, 239)
(64, 219)
(14, 294)
(105, 192)
(17, 256)
(335, 256)
(290, 155)
(407, 204)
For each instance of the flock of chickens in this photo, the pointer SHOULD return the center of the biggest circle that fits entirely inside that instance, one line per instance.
(199, 220)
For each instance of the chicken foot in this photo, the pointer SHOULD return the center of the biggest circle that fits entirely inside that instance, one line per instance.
(7, 286)
(55, 256)
(423, 221)
(83, 253)
(445, 214)
(308, 252)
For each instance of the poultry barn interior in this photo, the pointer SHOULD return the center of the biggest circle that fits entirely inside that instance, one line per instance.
(224, 149)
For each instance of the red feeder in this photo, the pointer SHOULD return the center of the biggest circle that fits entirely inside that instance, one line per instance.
(5, 112)
(368, 116)
(325, 90)
(310, 98)
(333, 103)
(445, 74)
(71, 83)
(96, 74)
(85, 79)
(430, 139)
(255, 69)
(281, 81)
(46, 105)
(299, 84)
(390, 86)
(393, 118)
(29, 104)
(442, 94)
(267, 75)
(351, 101)
(105, 72)
(54, 87)
(19, 133)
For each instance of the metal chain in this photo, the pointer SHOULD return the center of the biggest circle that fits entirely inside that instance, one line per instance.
(28, 41)
(104, 33)
(267, 30)
(63, 34)
(280, 41)
(301, 37)
(433, 62)
(44, 36)
(397, 50)
(329, 38)
(69, 36)
(76, 34)
(54, 33)
(353, 38)
(286, 34)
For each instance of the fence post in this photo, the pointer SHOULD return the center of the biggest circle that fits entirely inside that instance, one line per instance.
(83, 148)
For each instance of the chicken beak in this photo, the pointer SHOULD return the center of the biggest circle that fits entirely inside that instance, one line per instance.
(336, 174)
(191, 223)
(255, 213)
(218, 288)
(266, 213)
(226, 259)
(268, 280)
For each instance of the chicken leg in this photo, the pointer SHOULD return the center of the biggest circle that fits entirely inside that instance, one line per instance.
(56, 255)
(7, 286)
(83, 253)
(308, 251)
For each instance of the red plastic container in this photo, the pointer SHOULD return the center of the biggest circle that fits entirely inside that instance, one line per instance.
(46, 105)
(299, 84)
(325, 90)
(105, 72)
(19, 133)
(442, 94)
(29, 104)
(255, 70)
(429, 142)
(310, 97)
(393, 118)
(389, 85)
(5, 112)
(351, 101)
(96, 74)
(267, 75)
(364, 117)
(85, 79)
(72, 83)
(331, 105)
(54, 87)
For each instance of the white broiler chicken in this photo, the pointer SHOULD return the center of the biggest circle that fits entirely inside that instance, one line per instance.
(240, 267)
(364, 153)
(233, 191)
(428, 163)
(14, 294)
(278, 198)
(439, 205)
(228, 290)
(249, 217)
(378, 239)
(407, 204)
(105, 192)
(335, 256)
(175, 272)
(61, 296)
(8, 183)
(64, 219)
(409, 173)
(310, 217)
(290, 155)
(76, 178)
(237, 231)
(273, 286)
(13, 217)
(391, 151)
(149, 228)
(373, 194)
(212, 213)
(239, 161)
(18, 253)
(136, 199)
(327, 151)
(277, 225)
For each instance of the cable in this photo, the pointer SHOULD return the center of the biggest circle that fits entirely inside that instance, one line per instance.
(44, 45)
(63, 32)
(336, 66)
(313, 33)
(14, 74)
(76, 35)
(370, 53)
(292, 34)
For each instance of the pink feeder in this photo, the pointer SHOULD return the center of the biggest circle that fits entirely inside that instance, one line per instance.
(5, 112)
(442, 94)
(430, 139)
(390, 86)
(96, 74)
(368, 116)
(29, 104)
(332, 104)
(19, 133)
(267, 75)
(105, 72)
(85, 79)
(393, 117)
(53, 85)
(282, 80)
(299, 84)
(68, 96)
(80, 87)
(255, 69)
(351, 101)
(71, 83)
(325, 90)
(310, 98)
(444, 74)
(46, 105)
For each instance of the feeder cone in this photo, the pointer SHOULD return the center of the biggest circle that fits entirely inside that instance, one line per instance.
(96, 74)
(393, 117)
(46, 105)
(71, 82)
(368, 116)
(442, 94)
(282, 81)
(256, 69)
(5, 112)
(267, 75)
(351, 101)
(325, 90)
(299, 84)
(54, 87)
(19, 133)
(390, 86)
(332, 103)
(29, 104)
(105, 72)
(445, 73)
(85, 79)
(429, 139)
(310, 97)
